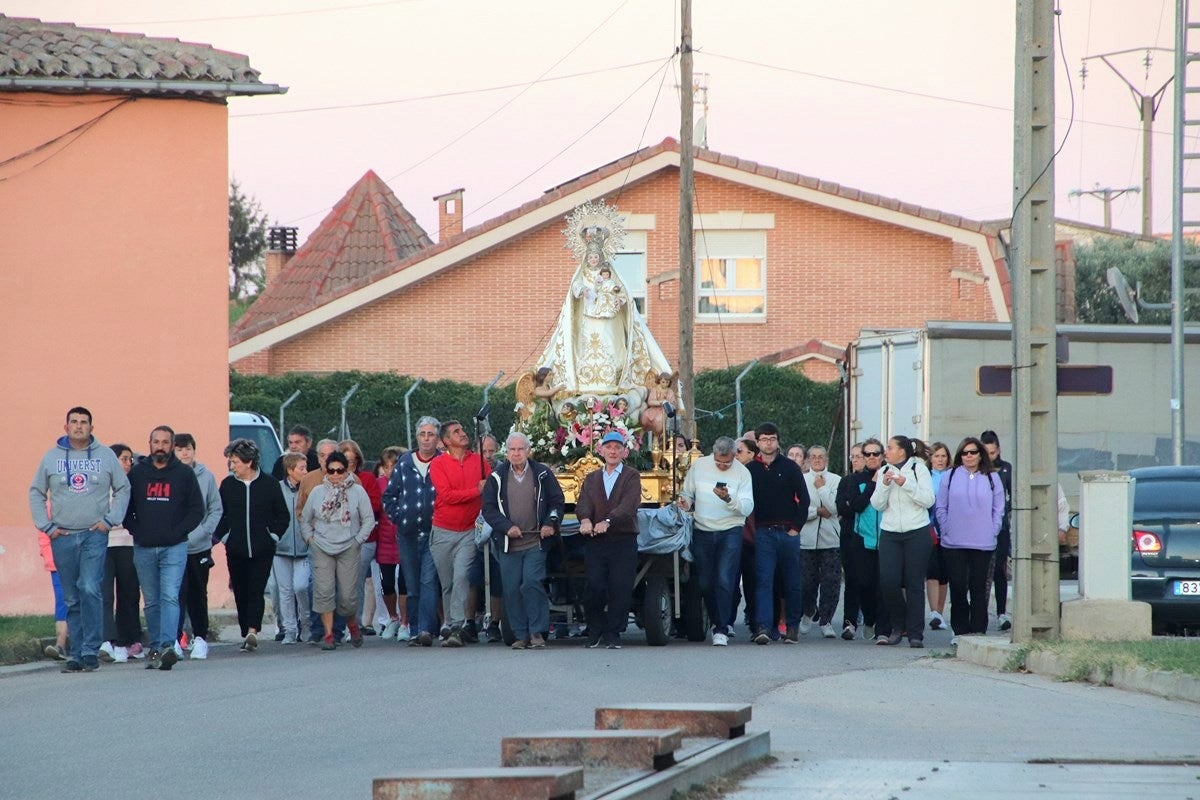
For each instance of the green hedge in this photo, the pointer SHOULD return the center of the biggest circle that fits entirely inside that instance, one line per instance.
(804, 410)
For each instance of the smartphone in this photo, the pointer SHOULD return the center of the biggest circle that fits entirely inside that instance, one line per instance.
(721, 484)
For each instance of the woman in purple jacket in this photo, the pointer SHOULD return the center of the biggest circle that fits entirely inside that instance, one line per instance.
(969, 510)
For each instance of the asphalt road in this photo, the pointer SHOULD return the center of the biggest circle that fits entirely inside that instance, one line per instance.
(296, 722)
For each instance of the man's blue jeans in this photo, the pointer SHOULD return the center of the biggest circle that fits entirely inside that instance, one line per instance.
(79, 559)
(160, 572)
(774, 547)
(717, 554)
(421, 580)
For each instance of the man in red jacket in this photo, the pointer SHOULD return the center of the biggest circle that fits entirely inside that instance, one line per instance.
(607, 511)
(458, 477)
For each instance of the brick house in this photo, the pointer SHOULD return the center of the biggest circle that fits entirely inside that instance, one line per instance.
(789, 267)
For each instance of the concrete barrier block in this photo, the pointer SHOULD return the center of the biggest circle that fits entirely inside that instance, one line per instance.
(1112, 620)
(710, 720)
(494, 783)
(634, 749)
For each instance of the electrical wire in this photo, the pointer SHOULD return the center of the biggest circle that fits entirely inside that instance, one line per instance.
(512, 99)
(296, 13)
(641, 138)
(576, 140)
(441, 95)
(74, 134)
(491, 115)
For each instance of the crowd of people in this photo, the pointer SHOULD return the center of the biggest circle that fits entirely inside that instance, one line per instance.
(344, 551)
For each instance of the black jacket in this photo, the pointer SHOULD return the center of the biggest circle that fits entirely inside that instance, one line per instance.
(253, 518)
(780, 494)
(165, 505)
(858, 499)
(550, 501)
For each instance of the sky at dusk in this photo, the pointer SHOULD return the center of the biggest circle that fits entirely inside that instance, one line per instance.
(907, 98)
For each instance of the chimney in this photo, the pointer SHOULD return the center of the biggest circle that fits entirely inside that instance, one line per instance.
(281, 246)
(450, 214)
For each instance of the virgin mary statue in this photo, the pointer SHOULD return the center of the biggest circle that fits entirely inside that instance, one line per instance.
(601, 346)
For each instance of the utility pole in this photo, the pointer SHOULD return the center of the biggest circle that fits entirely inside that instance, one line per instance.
(1147, 107)
(1035, 364)
(1106, 196)
(1181, 155)
(687, 191)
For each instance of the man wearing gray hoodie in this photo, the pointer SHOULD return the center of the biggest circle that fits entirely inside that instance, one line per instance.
(78, 492)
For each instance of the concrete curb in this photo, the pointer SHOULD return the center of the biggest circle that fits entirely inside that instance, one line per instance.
(996, 653)
(720, 759)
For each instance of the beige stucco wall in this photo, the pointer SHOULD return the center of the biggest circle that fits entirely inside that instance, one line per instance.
(113, 271)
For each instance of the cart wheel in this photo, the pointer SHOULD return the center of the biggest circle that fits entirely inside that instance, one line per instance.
(695, 613)
(656, 613)
(506, 631)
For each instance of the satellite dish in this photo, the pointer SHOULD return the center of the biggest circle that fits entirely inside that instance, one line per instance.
(1125, 295)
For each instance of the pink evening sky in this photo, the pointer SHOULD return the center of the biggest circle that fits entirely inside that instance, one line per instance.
(907, 98)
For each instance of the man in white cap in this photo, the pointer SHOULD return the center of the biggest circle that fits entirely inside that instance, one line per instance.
(607, 511)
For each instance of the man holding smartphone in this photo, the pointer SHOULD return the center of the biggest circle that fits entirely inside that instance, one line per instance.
(720, 491)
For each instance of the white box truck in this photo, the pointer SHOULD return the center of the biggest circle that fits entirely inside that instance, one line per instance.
(947, 380)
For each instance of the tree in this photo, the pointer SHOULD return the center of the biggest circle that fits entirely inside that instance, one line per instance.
(247, 241)
(1146, 262)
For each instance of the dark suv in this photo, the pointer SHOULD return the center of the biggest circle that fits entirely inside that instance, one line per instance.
(1165, 564)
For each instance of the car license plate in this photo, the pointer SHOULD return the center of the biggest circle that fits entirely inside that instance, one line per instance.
(1187, 588)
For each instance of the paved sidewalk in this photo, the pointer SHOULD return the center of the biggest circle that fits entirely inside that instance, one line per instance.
(939, 728)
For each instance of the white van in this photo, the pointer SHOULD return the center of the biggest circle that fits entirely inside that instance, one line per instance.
(258, 429)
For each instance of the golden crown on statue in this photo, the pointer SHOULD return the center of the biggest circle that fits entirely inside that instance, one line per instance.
(596, 224)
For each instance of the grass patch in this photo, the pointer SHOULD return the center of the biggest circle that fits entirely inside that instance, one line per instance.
(1016, 659)
(18, 633)
(1086, 658)
(19, 630)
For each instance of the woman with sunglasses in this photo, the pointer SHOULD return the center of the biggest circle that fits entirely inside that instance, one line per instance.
(969, 510)
(903, 496)
(336, 520)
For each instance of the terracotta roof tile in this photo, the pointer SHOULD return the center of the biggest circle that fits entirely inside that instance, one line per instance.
(365, 237)
(32, 49)
(279, 309)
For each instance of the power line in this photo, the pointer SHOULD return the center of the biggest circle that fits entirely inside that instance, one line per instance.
(296, 13)
(577, 139)
(511, 100)
(908, 92)
(74, 134)
(441, 95)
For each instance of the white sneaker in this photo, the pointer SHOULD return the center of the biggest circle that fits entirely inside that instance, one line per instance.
(106, 653)
(806, 623)
(827, 631)
(403, 633)
(178, 651)
(720, 640)
(936, 622)
(730, 632)
(120, 655)
(390, 630)
(289, 638)
(1005, 622)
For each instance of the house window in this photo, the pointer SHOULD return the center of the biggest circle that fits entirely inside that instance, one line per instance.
(731, 275)
(630, 265)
